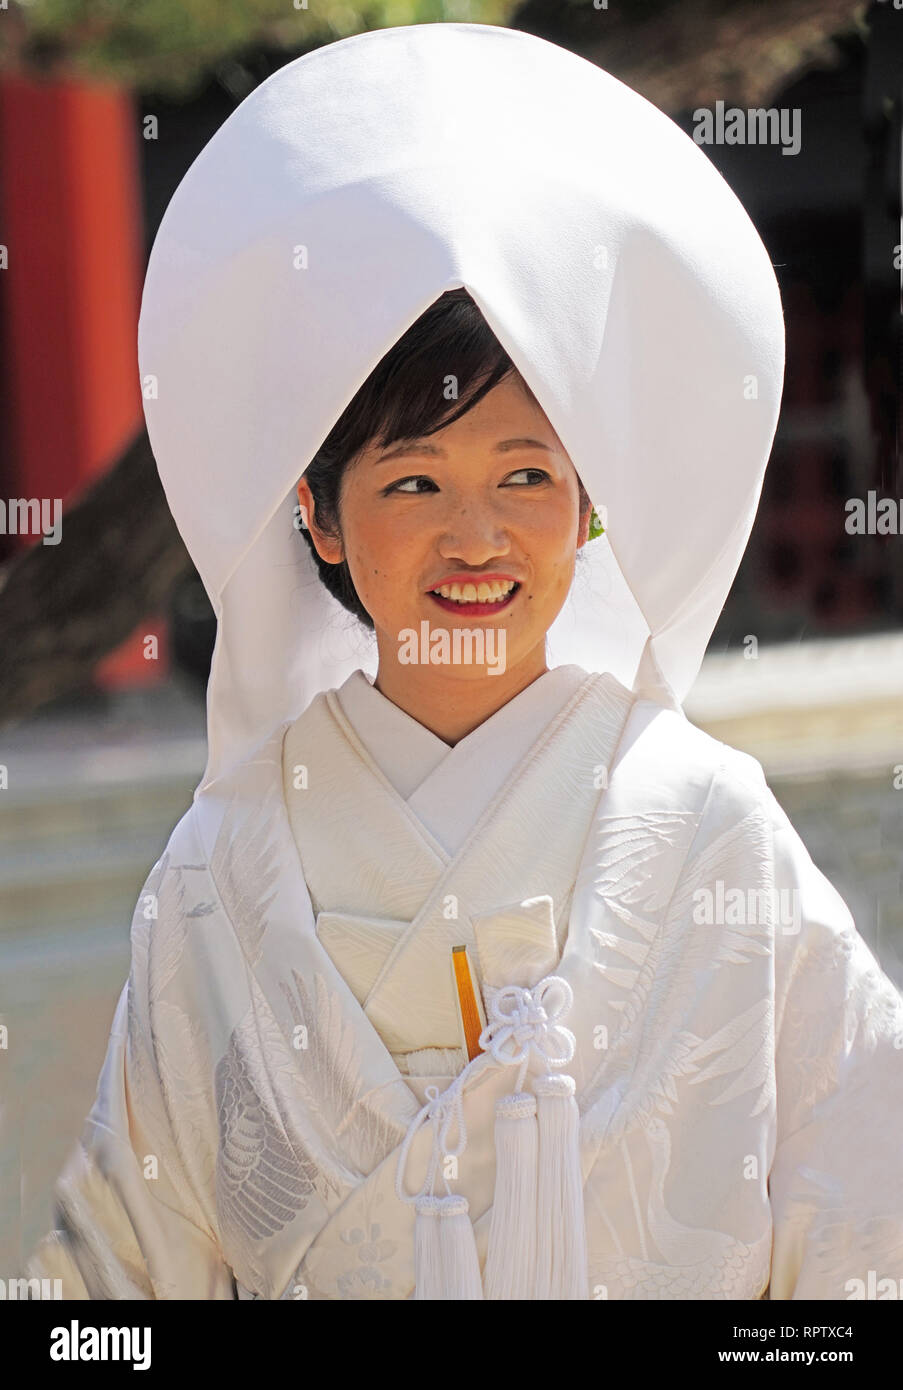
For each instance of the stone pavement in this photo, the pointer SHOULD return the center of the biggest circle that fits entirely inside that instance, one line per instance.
(93, 796)
(825, 720)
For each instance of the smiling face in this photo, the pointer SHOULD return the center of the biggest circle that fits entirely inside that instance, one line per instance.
(489, 500)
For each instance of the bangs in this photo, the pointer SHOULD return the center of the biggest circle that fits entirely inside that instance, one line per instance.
(441, 367)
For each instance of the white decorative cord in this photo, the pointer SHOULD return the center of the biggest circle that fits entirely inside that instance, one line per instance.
(523, 1025)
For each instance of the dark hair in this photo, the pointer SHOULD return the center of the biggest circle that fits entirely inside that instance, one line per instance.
(402, 399)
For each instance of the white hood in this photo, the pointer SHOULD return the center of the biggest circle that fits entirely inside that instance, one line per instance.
(610, 259)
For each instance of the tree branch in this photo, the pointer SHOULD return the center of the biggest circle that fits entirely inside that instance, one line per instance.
(63, 607)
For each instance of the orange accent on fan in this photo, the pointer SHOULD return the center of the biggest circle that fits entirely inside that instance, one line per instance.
(470, 1013)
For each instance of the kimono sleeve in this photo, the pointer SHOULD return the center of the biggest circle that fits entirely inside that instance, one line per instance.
(836, 1179)
(122, 1230)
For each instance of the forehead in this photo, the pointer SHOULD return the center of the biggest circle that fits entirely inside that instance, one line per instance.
(506, 419)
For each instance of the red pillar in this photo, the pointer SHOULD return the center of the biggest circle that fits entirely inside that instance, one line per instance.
(70, 201)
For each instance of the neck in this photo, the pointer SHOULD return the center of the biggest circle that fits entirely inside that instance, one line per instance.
(452, 707)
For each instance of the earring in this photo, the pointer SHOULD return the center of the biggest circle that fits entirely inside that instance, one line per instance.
(301, 518)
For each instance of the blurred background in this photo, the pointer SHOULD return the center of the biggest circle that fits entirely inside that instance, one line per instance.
(105, 639)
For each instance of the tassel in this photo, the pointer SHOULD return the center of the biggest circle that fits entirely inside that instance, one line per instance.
(428, 1276)
(537, 1221)
(460, 1263)
(561, 1256)
(511, 1257)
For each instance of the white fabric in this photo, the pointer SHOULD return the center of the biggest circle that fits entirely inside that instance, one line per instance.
(740, 1086)
(609, 256)
(368, 883)
(346, 875)
(405, 750)
(448, 787)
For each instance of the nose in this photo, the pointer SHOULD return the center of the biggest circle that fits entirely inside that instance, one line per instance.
(473, 535)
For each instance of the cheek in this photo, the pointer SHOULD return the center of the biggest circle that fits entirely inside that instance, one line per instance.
(553, 540)
(377, 556)
(556, 557)
(393, 543)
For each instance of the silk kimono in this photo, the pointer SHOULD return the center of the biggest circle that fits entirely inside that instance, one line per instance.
(739, 1052)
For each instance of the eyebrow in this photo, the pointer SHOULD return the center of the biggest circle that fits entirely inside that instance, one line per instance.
(504, 447)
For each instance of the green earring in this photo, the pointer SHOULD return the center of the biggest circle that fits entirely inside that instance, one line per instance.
(595, 526)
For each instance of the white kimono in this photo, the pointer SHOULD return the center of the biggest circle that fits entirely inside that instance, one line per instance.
(738, 1066)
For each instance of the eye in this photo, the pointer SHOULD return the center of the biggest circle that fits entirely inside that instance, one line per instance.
(405, 484)
(538, 475)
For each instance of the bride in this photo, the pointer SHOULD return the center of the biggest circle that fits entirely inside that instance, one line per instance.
(466, 979)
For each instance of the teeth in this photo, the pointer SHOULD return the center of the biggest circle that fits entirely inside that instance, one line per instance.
(492, 592)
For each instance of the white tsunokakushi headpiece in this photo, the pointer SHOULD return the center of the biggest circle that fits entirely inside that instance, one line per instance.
(631, 291)
(610, 259)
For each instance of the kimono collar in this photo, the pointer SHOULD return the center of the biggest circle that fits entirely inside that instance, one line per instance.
(607, 254)
(407, 752)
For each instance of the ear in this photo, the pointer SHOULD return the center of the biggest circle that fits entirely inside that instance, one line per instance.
(327, 547)
(583, 528)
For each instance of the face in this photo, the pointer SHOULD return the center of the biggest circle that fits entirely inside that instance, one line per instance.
(490, 500)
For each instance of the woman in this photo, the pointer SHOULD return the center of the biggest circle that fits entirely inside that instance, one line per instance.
(491, 977)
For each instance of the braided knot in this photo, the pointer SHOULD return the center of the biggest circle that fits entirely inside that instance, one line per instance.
(525, 1021)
